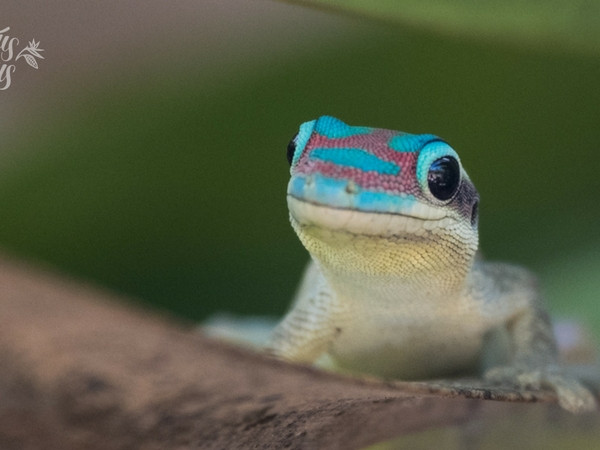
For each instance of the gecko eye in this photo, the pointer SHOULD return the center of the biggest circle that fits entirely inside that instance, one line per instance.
(291, 149)
(443, 177)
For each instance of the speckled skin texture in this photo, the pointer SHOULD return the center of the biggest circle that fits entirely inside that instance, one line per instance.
(394, 287)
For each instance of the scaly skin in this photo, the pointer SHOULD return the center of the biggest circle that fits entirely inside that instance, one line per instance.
(395, 287)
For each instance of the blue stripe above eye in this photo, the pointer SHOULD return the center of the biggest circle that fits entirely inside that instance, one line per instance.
(355, 157)
(335, 129)
(301, 140)
(411, 142)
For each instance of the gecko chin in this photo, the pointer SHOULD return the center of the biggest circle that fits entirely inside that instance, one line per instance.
(390, 244)
(418, 220)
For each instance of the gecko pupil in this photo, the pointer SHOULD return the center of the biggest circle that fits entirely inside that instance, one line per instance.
(444, 177)
(291, 149)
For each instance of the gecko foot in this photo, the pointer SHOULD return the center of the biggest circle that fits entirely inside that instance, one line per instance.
(572, 395)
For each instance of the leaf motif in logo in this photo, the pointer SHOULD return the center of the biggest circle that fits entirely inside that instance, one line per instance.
(31, 61)
(34, 52)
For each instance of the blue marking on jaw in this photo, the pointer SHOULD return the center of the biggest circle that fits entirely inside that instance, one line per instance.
(384, 202)
(357, 158)
(332, 192)
(334, 128)
(411, 142)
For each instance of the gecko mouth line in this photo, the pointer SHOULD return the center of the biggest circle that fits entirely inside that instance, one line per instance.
(359, 222)
(382, 213)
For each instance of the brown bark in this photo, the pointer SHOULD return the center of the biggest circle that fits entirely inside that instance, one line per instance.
(80, 369)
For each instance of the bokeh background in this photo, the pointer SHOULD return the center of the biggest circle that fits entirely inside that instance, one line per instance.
(147, 152)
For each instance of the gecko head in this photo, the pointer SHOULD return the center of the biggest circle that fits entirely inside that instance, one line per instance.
(379, 183)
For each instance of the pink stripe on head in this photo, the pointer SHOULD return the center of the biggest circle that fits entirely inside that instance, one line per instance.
(376, 143)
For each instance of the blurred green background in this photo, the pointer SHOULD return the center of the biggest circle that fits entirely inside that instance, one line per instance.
(150, 157)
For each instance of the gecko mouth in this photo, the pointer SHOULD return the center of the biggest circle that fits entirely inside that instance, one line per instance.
(419, 220)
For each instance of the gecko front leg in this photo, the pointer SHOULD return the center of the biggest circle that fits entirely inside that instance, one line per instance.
(533, 356)
(308, 329)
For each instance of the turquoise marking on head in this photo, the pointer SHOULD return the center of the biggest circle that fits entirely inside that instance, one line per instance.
(432, 151)
(332, 192)
(335, 129)
(410, 142)
(301, 140)
(384, 202)
(357, 158)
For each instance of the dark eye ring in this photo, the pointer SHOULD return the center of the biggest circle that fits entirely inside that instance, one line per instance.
(443, 177)
(291, 149)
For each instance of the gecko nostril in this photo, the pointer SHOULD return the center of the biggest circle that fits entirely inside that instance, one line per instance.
(351, 187)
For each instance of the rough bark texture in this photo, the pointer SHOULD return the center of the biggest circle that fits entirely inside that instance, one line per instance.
(80, 369)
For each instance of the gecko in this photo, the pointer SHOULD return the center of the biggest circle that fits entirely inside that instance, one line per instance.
(396, 286)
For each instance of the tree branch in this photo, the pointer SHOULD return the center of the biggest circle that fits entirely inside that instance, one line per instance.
(81, 369)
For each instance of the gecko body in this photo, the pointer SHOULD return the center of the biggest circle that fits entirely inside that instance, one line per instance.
(395, 287)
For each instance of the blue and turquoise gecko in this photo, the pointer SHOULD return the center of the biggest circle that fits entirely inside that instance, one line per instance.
(395, 287)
